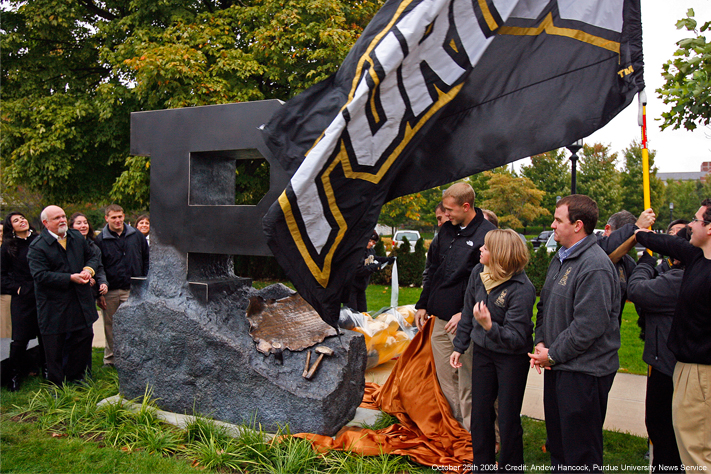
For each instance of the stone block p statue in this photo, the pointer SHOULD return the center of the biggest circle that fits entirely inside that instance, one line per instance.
(186, 331)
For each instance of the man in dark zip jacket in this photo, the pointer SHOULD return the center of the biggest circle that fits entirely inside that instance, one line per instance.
(452, 255)
(124, 253)
(655, 296)
(690, 337)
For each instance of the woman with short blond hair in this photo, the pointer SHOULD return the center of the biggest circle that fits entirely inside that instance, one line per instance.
(500, 297)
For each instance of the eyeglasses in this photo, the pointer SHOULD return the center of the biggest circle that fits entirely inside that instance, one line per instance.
(699, 220)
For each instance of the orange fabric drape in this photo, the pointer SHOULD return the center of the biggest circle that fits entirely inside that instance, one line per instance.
(426, 431)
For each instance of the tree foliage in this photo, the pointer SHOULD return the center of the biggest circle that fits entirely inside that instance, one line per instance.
(402, 209)
(480, 182)
(549, 172)
(74, 70)
(631, 181)
(687, 86)
(686, 196)
(515, 201)
(432, 197)
(599, 179)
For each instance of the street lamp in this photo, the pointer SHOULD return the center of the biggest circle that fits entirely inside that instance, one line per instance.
(671, 212)
(574, 149)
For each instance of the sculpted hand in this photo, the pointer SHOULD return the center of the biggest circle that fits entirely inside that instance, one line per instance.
(451, 326)
(454, 360)
(646, 219)
(421, 318)
(482, 315)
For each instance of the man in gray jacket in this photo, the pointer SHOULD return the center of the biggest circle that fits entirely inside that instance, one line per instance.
(577, 337)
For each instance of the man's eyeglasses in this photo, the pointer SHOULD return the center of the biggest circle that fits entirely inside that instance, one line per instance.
(699, 220)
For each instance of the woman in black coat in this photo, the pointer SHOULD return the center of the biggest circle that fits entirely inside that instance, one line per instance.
(497, 318)
(99, 286)
(17, 280)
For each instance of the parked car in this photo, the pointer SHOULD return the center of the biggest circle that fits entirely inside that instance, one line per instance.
(552, 245)
(412, 237)
(541, 239)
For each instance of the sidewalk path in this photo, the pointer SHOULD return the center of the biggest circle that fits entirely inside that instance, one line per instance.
(625, 408)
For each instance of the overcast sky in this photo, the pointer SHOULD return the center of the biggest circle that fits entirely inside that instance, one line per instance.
(677, 150)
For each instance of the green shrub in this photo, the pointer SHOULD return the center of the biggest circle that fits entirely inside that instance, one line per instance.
(258, 268)
(538, 266)
(419, 261)
(384, 276)
(410, 265)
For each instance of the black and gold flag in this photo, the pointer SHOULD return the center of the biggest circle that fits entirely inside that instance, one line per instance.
(434, 91)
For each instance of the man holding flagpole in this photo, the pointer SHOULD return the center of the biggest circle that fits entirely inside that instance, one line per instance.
(690, 337)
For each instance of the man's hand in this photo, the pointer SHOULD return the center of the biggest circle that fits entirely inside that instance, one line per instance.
(451, 326)
(421, 318)
(642, 230)
(92, 282)
(103, 289)
(539, 358)
(81, 278)
(646, 219)
(454, 360)
(101, 302)
(482, 315)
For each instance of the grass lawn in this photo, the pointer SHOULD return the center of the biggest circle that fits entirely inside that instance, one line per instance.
(68, 434)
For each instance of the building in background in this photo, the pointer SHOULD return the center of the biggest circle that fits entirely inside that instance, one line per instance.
(688, 175)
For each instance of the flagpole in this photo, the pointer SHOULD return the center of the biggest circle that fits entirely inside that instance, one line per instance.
(642, 120)
(645, 152)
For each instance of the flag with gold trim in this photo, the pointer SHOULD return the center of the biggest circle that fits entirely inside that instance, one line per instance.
(434, 91)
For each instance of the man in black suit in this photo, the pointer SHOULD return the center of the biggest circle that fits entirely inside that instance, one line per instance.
(62, 263)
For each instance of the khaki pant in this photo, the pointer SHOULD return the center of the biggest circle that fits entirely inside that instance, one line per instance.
(5, 320)
(691, 413)
(456, 384)
(114, 298)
